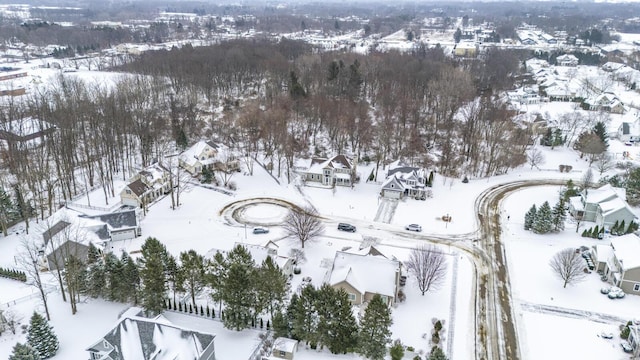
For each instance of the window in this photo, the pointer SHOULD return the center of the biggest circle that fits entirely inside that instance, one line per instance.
(128, 192)
(282, 353)
(636, 287)
(352, 297)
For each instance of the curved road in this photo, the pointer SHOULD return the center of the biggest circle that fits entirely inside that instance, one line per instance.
(496, 333)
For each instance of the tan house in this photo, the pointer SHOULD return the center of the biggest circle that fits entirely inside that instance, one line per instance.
(146, 186)
(339, 170)
(622, 267)
(365, 274)
(207, 154)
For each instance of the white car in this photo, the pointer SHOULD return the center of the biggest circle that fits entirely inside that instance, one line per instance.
(606, 335)
(413, 227)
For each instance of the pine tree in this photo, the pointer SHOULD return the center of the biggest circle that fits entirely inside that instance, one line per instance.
(343, 330)
(374, 329)
(633, 226)
(559, 216)
(192, 273)
(216, 276)
(271, 287)
(397, 350)
(615, 227)
(238, 291)
(114, 269)
(93, 255)
(41, 337)
(132, 279)
(303, 315)
(530, 217)
(437, 354)
(152, 274)
(569, 191)
(281, 325)
(24, 352)
(543, 222)
(601, 130)
(96, 280)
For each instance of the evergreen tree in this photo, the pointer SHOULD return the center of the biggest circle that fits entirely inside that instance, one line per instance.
(569, 191)
(615, 227)
(24, 352)
(633, 226)
(93, 255)
(543, 222)
(8, 212)
(397, 350)
(173, 273)
(114, 269)
(601, 130)
(558, 139)
(152, 274)
(343, 330)
(238, 291)
(281, 325)
(374, 329)
(96, 280)
(41, 337)
(304, 318)
(437, 354)
(192, 273)
(271, 287)
(132, 279)
(559, 216)
(530, 217)
(216, 277)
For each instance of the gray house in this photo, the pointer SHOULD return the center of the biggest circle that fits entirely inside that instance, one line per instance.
(121, 225)
(604, 206)
(622, 267)
(404, 182)
(139, 338)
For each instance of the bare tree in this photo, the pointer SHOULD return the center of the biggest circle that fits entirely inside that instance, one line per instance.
(604, 163)
(587, 179)
(535, 158)
(304, 224)
(28, 259)
(428, 265)
(568, 265)
(12, 320)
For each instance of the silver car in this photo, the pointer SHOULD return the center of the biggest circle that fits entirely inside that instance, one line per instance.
(413, 227)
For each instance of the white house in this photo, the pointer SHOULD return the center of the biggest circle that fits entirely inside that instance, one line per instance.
(146, 186)
(404, 182)
(567, 60)
(201, 154)
(339, 170)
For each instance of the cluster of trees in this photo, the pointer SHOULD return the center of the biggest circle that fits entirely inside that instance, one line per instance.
(42, 342)
(13, 274)
(544, 219)
(619, 228)
(324, 317)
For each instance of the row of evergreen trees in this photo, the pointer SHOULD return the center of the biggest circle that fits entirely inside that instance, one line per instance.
(619, 228)
(544, 219)
(246, 290)
(13, 274)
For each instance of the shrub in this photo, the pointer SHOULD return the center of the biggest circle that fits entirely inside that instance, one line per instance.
(624, 334)
(435, 338)
(232, 185)
(465, 180)
(410, 348)
(437, 326)
(401, 296)
(296, 270)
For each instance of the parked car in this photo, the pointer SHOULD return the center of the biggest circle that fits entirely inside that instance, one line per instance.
(606, 335)
(260, 230)
(346, 227)
(413, 227)
(626, 347)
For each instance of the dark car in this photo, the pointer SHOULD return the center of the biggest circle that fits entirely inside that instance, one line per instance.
(260, 230)
(346, 227)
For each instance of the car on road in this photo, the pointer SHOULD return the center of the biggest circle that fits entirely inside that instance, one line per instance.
(346, 227)
(606, 335)
(413, 227)
(260, 230)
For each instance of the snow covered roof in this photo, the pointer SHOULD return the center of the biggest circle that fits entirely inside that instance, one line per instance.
(337, 162)
(154, 173)
(613, 205)
(366, 273)
(136, 337)
(576, 203)
(627, 250)
(604, 193)
(194, 153)
(118, 220)
(285, 344)
(603, 252)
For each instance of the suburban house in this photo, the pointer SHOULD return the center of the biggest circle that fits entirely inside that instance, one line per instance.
(117, 226)
(604, 206)
(202, 154)
(283, 348)
(138, 338)
(69, 236)
(466, 49)
(629, 132)
(338, 170)
(567, 60)
(146, 186)
(605, 102)
(622, 264)
(363, 275)
(634, 338)
(404, 181)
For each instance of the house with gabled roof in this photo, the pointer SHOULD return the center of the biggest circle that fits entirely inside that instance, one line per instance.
(622, 268)
(283, 348)
(202, 154)
(567, 60)
(339, 170)
(613, 211)
(259, 254)
(605, 102)
(363, 275)
(146, 186)
(138, 338)
(117, 226)
(404, 181)
(629, 131)
(585, 206)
